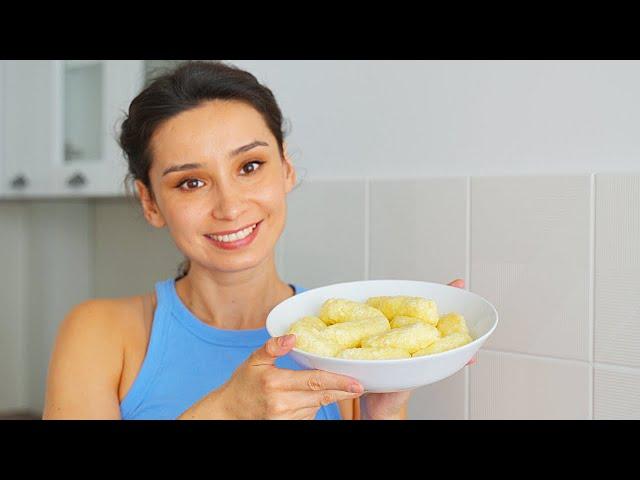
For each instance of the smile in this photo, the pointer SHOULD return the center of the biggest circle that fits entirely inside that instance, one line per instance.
(236, 239)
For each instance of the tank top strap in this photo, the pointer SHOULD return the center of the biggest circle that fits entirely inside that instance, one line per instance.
(156, 349)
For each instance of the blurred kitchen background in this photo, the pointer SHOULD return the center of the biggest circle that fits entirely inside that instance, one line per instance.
(522, 177)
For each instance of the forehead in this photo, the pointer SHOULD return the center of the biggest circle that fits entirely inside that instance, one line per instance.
(211, 129)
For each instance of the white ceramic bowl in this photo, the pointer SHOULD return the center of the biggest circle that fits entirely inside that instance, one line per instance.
(390, 375)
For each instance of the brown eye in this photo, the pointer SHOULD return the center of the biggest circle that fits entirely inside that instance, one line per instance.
(244, 169)
(190, 182)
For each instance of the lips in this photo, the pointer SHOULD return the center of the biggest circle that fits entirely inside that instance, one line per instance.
(229, 232)
(236, 244)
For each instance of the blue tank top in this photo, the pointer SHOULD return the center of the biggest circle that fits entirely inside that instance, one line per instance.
(186, 359)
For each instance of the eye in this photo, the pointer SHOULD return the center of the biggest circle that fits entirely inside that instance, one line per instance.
(253, 169)
(187, 181)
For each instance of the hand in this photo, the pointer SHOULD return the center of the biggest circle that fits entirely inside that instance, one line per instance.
(384, 406)
(260, 390)
(392, 405)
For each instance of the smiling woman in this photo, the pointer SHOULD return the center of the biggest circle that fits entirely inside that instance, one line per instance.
(208, 161)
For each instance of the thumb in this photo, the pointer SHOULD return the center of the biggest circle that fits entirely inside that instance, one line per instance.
(273, 348)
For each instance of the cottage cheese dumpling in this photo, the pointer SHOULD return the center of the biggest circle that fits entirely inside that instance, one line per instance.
(338, 310)
(410, 337)
(418, 307)
(350, 334)
(452, 323)
(369, 353)
(311, 323)
(402, 321)
(443, 344)
(311, 341)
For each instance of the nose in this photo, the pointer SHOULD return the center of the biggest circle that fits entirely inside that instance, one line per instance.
(228, 202)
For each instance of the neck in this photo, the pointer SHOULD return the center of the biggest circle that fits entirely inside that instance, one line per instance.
(233, 300)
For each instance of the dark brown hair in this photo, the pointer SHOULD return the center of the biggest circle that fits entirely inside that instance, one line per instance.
(185, 87)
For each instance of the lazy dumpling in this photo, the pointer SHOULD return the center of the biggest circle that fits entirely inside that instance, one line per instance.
(338, 310)
(411, 337)
(350, 334)
(418, 307)
(443, 344)
(452, 323)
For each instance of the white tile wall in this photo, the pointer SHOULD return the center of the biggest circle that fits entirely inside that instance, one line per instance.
(616, 392)
(513, 386)
(412, 236)
(530, 256)
(324, 234)
(443, 400)
(617, 270)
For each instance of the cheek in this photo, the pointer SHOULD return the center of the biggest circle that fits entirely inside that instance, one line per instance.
(272, 201)
(185, 218)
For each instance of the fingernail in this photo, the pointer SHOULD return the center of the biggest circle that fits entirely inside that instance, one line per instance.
(356, 388)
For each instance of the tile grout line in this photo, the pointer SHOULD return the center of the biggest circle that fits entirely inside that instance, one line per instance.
(367, 220)
(617, 368)
(610, 366)
(592, 298)
(467, 375)
(535, 356)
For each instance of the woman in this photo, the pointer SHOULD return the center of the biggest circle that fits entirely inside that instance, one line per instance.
(205, 149)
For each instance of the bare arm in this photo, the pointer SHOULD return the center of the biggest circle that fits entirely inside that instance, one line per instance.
(86, 364)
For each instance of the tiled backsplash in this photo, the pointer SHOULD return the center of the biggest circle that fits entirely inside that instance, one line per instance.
(557, 255)
(535, 246)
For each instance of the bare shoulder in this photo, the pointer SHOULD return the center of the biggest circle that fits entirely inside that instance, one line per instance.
(95, 319)
(89, 356)
(106, 318)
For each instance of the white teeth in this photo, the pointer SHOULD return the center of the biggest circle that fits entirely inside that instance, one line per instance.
(234, 236)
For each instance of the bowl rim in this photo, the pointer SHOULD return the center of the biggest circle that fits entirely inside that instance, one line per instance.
(387, 361)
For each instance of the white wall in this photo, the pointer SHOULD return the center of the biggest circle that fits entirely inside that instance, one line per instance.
(391, 119)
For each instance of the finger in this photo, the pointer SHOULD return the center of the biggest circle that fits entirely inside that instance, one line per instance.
(316, 400)
(272, 349)
(317, 380)
(306, 414)
(331, 396)
(458, 282)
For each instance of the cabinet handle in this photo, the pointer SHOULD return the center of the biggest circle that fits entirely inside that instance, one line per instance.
(20, 181)
(76, 180)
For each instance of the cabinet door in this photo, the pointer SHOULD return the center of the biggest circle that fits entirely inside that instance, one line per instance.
(29, 111)
(95, 97)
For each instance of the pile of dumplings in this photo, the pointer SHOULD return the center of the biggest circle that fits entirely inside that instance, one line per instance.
(387, 327)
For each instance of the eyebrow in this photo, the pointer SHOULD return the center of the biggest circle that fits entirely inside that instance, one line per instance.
(237, 151)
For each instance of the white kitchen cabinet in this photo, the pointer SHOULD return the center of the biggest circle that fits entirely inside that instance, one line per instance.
(61, 123)
(28, 115)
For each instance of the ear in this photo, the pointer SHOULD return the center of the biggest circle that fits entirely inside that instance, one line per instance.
(149, 206)
(290, 176)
